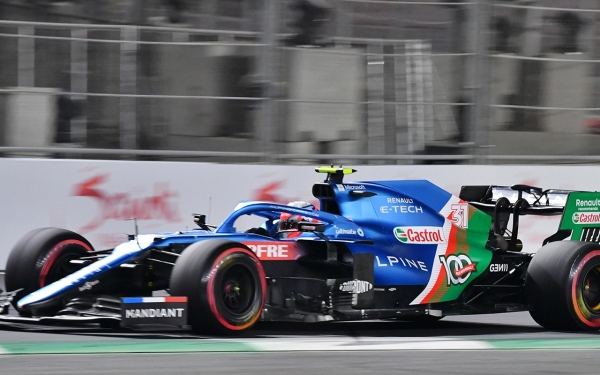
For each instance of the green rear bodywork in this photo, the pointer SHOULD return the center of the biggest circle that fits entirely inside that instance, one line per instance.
(581, 214)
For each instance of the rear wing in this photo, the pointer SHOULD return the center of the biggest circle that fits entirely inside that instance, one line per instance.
(580, 211)
(504, 202)
(516, 199)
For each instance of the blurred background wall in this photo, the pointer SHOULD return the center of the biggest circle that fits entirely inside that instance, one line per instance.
(302, 81)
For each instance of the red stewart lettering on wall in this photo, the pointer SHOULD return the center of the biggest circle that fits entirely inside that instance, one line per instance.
(268, 193)
(122, 206)
(274, 250)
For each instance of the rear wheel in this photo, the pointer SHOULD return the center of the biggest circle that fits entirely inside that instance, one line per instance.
(42, 257)
(563, 286)
(225, 285)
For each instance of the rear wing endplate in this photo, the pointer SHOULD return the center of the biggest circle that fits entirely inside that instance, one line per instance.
(532, 200)
(582, 216)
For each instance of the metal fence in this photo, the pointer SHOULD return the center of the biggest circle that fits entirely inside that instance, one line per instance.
(303, 81)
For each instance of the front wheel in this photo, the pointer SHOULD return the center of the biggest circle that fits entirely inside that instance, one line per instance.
(42, 257)
(225, 284)
(563, 286)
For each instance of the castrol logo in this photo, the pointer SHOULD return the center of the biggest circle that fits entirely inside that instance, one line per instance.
(586, 218)
(420, 235)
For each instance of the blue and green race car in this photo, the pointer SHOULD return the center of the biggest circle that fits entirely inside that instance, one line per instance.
(389, 249)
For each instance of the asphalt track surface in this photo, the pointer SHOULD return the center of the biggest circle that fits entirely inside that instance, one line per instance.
(493, 344)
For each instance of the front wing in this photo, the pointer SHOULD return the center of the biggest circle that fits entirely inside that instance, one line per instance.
(107, 311)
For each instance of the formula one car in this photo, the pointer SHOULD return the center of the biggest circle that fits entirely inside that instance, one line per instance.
(402, 249)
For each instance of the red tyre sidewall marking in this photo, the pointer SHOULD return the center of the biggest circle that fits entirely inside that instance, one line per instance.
(576, 281)
(211, 287)
(54, 253)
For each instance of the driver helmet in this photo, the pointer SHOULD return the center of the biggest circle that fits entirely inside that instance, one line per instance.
(289, 221)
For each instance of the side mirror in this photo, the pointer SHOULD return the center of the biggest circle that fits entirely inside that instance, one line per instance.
(200, 220)
(307, 226)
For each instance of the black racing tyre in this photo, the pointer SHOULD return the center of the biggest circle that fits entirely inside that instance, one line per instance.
(42, 257)
(225, 284)
(563, 286)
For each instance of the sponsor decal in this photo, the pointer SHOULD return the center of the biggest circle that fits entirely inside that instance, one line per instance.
(582, 215)
(75, 278)
(354, 187)
(406, 209)
(273, 250)
(356, 286)
(400, 200)
(586, 218)
(154, 310)
(343, 187)
(392, 289)
(359, 231)
(392, 261)
(458, 268)
(459, 215)
(498, 267)
(88, 285)
(587, 202)
(153, 313)
(420, 235)
(161, 205)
